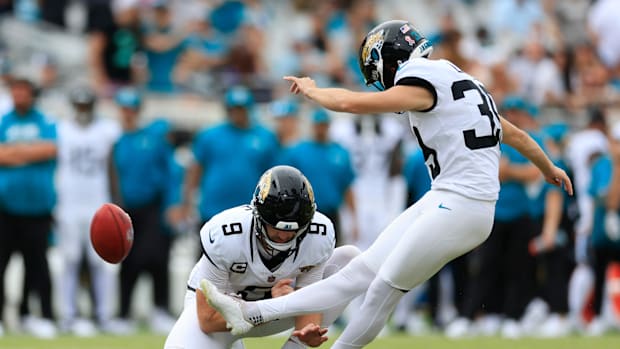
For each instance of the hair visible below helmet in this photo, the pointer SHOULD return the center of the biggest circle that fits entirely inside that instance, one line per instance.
(386, 47)
(284, 200)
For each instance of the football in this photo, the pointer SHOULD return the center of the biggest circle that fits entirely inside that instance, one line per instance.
(111, 233)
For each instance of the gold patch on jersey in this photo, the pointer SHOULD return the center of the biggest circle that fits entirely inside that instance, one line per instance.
(374, 41)
(264, 185)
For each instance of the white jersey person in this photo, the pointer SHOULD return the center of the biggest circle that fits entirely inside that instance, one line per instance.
(264, 250)
(379, 190)
(459, 131)
(84, 145)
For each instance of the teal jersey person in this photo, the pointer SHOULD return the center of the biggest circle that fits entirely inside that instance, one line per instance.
(516, 193)
(599, 186)
(605, 250)
(538, 190)
(513, 200)
(504, 258)
(230, 157)
(27, 188)
(145, 169)
(328, 165)
(27, 197)
(145, 178)
(519, 197)
(163, 48)
(161, 65)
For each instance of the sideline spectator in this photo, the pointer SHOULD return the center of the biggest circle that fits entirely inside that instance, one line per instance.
(143, 163)
(113, 42)
(333, 179)
(85, 143)
(552, 248)
(229, 158)
(163, 47)
(605, 237)
(503, 261)
(27, 198)
(374, 144)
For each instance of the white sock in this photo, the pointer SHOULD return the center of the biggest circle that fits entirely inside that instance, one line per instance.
(379, 302)
(69, 289)
(104, 286)
(335, 291)
(579, 287)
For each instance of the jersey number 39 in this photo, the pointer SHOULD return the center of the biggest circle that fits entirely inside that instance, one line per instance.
(472, 141)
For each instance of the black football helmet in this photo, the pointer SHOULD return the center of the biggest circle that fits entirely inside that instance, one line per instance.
(386, 47)
(284, 200)
(82, 95)
(83, 99)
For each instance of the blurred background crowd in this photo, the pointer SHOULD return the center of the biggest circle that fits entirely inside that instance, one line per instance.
(172, 109)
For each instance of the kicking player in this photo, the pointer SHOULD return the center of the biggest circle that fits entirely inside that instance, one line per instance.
(264, 250)
(459, 131)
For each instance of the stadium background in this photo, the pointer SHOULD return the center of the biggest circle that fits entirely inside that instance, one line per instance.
(49, 42)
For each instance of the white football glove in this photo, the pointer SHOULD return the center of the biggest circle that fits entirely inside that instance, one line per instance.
(612, 225)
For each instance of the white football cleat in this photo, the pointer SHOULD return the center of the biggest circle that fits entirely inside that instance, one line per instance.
(229, 307)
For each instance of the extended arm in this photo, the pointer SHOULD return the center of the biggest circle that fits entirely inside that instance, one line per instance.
(520, 173)
(521, 141)
(396, 99)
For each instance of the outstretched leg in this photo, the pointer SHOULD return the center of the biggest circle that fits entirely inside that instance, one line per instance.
(333, 292)
(432, 240)
(337, 290)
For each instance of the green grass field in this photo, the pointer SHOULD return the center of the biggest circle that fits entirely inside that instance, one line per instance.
(392, 342)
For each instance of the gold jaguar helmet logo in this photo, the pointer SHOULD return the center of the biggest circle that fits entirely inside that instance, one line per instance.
(263, 186)
(373, 41)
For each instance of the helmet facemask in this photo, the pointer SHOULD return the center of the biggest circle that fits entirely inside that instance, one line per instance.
(272, 247)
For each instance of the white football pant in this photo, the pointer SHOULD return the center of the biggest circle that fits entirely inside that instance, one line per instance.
(73, 232)
(441, 226)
